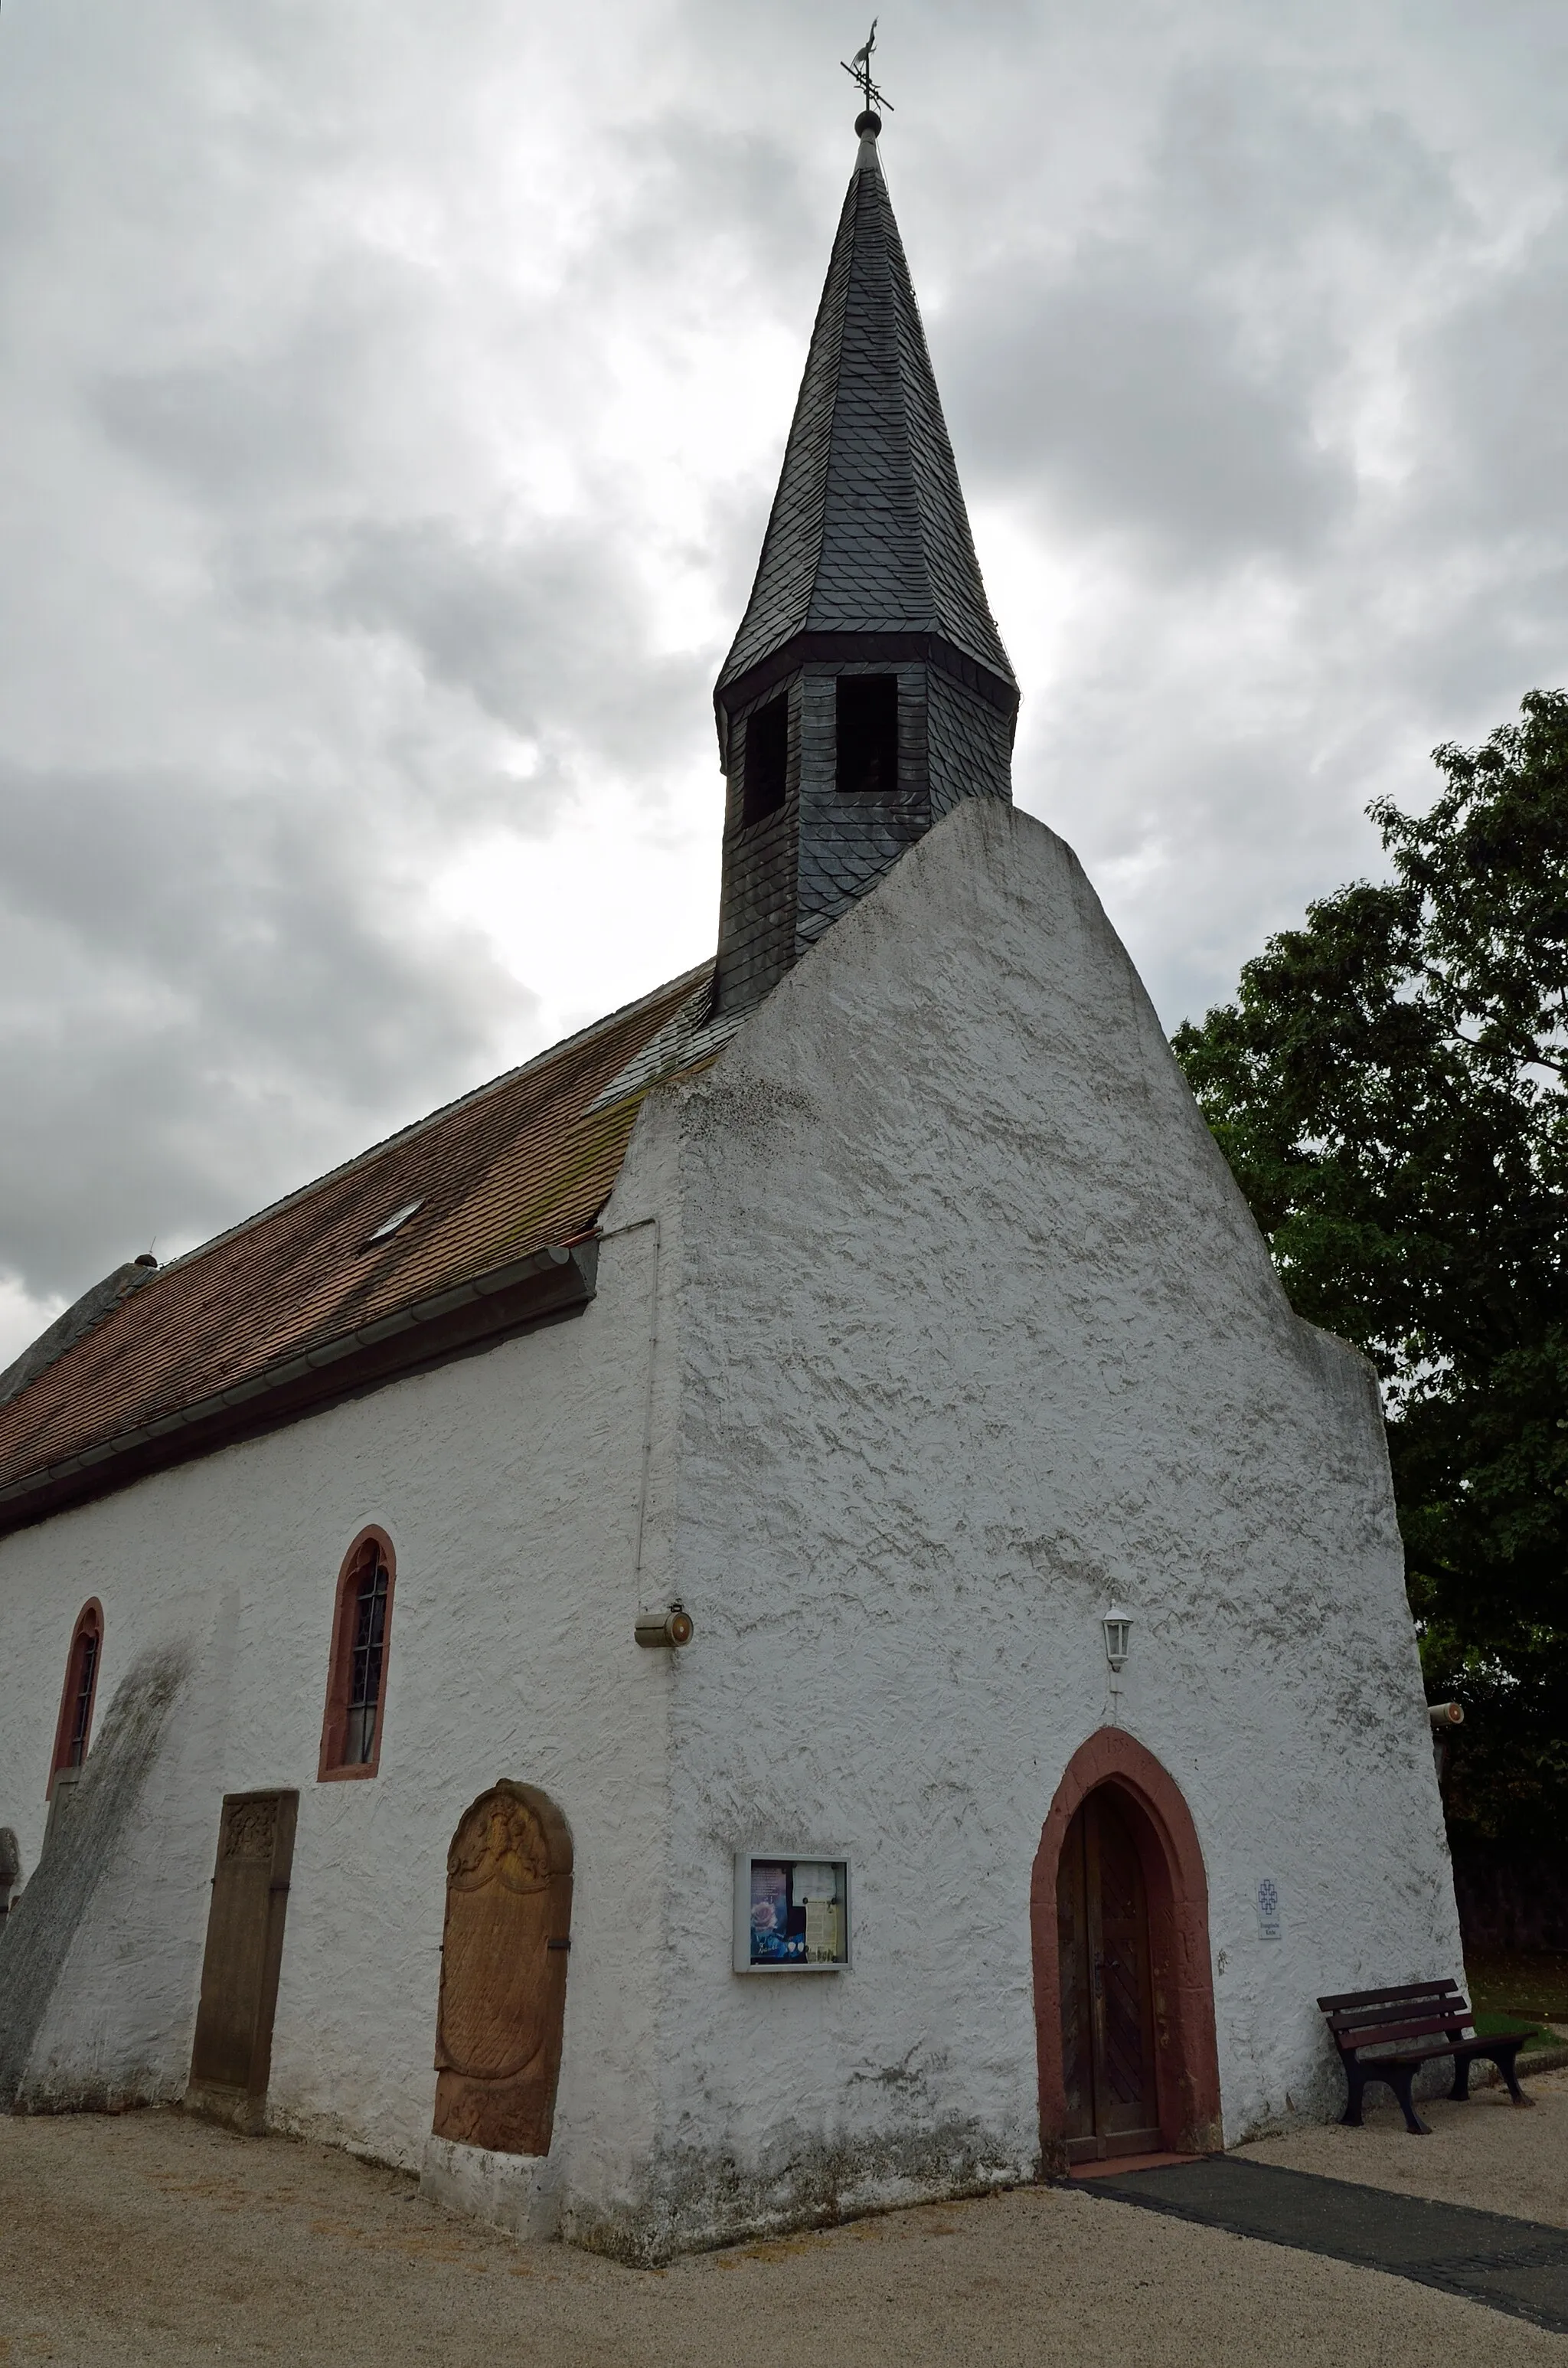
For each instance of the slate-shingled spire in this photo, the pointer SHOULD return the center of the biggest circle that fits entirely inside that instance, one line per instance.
(868, 579)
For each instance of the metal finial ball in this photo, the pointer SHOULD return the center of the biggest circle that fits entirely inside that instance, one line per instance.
(868, 122)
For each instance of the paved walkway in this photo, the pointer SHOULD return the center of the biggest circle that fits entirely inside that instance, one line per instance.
(165, 2243)
(1518, 2266)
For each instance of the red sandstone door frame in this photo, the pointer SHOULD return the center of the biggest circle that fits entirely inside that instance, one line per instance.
(1185, 2060)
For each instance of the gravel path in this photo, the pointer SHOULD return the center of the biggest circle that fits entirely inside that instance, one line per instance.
(152, 2239)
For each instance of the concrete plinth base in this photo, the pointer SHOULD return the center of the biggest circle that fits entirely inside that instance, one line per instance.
(236, 2107)
(515, 2192)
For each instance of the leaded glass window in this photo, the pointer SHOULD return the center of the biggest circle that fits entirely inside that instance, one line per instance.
(82, 1708)
(367, 1652)
(74, 1728)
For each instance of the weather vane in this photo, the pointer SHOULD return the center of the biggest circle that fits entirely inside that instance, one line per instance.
(859, 70)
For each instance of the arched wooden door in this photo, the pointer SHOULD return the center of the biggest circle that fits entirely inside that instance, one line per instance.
(1107, 2023)
(504, 1947)
(1165, 1906)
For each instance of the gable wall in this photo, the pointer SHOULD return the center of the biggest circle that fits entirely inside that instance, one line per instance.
(977, 1335)
(509, 1485)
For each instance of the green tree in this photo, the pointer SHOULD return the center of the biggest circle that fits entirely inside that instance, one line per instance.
(1389, 1087)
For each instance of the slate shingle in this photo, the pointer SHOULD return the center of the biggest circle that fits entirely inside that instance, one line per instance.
(869, 532)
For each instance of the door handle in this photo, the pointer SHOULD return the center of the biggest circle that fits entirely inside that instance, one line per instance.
(1099, 1975)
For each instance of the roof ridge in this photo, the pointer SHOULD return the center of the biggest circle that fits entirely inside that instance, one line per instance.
(691, 979)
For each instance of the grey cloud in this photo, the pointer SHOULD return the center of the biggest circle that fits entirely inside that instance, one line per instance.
(204, 996)
(1166, 379)
(1126, 398)
(718, 186)
(1247, 163)
(286, 400)
(228, 430)
(547, 635)
(351, 355)
(1491, 375)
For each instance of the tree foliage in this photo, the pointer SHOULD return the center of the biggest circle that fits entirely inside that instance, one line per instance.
(1391, 1088)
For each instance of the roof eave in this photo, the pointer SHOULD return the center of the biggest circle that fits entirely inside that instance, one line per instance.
(478, 1314)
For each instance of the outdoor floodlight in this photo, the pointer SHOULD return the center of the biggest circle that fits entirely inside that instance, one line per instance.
(675, 1626)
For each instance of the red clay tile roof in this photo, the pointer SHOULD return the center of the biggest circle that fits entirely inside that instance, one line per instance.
(522, 1164)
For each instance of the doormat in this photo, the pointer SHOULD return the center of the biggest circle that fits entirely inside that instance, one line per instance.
(1517, 2266)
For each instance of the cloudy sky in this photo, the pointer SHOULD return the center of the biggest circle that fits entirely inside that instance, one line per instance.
(392, 394)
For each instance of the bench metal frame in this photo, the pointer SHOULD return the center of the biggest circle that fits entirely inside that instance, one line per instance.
(1360, 2021)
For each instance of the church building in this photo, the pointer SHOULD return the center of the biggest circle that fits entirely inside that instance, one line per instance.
(772, 1614)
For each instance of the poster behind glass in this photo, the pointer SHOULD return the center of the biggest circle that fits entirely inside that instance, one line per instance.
(796, 1914)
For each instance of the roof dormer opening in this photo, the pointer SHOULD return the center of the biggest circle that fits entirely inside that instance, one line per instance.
(390, 1225)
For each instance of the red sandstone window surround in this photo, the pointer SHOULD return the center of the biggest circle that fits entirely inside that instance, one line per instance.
(357, 1670)
(74, 1728)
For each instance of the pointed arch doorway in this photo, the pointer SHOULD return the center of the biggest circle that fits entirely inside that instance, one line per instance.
(1107, 2024)
(1124, 1998)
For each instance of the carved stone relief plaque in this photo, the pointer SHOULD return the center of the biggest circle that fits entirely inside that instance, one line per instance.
(232, 2055)
(503, 1982)
(249, 1828)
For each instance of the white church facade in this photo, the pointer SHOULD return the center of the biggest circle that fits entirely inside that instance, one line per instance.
(772, 1613)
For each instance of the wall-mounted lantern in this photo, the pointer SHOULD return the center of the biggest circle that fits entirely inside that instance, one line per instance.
(1117, 1625)
(675, 1626)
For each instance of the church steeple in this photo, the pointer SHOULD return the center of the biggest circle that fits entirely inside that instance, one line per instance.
(867, 690)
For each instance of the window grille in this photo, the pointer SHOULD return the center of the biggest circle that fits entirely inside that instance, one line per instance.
(74, 1728)
(356, 1663)
(82, 1708)
(366, 1652)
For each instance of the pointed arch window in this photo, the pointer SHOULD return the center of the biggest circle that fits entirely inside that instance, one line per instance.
(74, 1728)
(357, 1669)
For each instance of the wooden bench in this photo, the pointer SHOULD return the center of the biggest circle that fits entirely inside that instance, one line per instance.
(1417, 2021)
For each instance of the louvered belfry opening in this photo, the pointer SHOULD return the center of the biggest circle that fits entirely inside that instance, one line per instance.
(866, 736)
(765, 772)
(867, 690)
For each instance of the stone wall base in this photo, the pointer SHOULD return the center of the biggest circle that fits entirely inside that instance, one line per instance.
(519, 2192)
(693, 2200)
(235, 2108)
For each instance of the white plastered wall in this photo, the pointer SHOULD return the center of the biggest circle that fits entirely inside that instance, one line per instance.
(963, 1331)
(117, 2026)
(509, 1483)
(977, 1336)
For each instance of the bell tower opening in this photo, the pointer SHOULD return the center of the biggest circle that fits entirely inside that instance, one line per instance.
(866, 751)
(765, 781)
